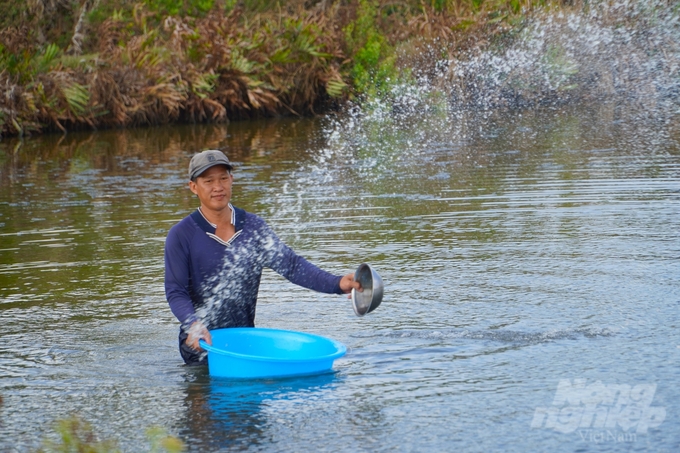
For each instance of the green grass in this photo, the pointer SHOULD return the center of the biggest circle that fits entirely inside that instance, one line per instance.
(77, 436)
(158, 61)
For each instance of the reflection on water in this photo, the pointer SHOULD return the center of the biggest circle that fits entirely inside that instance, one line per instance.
(516, 251)
(519, 249)
(223, 413)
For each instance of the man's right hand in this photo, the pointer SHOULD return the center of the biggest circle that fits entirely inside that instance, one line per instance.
(196, 332)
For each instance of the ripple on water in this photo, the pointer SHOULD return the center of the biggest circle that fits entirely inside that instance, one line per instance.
(502, 336)
(518, 249)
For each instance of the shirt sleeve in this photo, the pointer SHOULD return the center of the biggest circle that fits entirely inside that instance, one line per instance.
(177, 277)
(283, 260)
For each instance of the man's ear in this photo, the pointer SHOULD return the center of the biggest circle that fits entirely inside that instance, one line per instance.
(192, 187)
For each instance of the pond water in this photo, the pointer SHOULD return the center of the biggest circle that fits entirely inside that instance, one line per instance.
(530, 260)
(533, 252)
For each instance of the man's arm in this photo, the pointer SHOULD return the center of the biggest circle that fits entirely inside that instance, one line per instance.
(298, 270)
(177, 275)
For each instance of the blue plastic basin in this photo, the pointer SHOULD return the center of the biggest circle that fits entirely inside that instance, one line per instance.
(251, 352)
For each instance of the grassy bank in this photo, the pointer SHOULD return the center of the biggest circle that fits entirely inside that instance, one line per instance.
(69, 64)
(74, 435)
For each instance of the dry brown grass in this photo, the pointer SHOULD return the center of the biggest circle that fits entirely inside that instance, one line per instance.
(142, 70)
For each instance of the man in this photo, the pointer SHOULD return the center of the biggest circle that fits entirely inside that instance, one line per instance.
(214, 260)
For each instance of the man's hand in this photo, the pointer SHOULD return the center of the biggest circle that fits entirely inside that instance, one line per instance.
(347, 284)
(198, 331)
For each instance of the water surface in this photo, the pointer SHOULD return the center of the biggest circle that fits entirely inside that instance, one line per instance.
(530, 254)
(533, 250)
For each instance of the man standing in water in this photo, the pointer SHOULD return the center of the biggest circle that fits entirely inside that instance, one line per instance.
(215, 256)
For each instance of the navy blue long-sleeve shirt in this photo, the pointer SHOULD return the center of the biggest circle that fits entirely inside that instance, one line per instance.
(217, 281)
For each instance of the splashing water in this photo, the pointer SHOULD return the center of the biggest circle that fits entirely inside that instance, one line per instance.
(228, 294)
(526, 234)
(625, 55)
(622, 52)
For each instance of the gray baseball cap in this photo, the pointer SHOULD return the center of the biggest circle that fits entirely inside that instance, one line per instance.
(206, 159)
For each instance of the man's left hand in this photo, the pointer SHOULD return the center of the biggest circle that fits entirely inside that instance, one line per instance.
(347, 284)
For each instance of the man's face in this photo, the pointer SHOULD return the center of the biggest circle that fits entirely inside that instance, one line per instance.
(213, 187)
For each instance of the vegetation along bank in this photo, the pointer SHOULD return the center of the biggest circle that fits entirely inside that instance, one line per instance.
(89, 64)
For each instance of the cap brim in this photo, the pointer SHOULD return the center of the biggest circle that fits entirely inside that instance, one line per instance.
(200, 170)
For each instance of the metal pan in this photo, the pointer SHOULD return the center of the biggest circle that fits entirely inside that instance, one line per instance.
(367, 300)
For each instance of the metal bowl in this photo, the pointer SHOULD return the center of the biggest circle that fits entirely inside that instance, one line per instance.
(367, 300)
